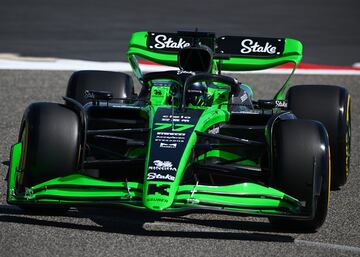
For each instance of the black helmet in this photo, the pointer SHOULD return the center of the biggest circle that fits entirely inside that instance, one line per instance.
(196, 94)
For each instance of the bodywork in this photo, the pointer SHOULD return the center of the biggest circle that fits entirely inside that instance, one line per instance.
(194, 158)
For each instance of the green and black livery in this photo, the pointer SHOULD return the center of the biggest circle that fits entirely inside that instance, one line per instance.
(191, 140)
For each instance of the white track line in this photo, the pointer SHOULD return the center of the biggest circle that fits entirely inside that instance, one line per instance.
(328, 246)
(72, 65)
(302, 72)
(62, 65)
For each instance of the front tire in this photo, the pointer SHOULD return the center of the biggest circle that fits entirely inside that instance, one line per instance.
(50, 143)
(301, 169)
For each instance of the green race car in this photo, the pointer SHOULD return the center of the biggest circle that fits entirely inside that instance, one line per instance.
(191, 140)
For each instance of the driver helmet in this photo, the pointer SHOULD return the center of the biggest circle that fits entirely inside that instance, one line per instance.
(196, 94)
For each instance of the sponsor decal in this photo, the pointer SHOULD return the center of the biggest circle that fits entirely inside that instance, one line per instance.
(196, 91)
(248, 112)
(169, 137)
(214, 130)
(166, 145)
(89, 95)
(281, 103)
(155, 199)
(162, 165)
(176, 118)
(157, 92)
(162, 190)
(179, 72)
(172, 42)
(244, 97)
(157, 176)
(162, 41)
(174, 127)
(168, 141)
(251, 46)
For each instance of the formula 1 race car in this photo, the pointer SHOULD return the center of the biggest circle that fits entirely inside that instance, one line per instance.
(191, 140)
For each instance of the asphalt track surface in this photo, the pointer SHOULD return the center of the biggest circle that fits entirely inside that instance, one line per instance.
(100, 30)
(109, 232)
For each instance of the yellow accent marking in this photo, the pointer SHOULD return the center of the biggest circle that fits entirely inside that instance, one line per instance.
(347, 148)
(347, 109)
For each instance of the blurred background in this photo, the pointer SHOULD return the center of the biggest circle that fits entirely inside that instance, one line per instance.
(100, 30)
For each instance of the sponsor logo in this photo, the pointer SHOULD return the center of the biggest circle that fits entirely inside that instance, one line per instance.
(249, 46)
(195, 91)
(166, 145)
(153, 175)
(89, 95)
(153, 188)
(175, 127)
(179, 72)
(157, 92)
(244, 97)
(214, 130)
(176, 118)
(170, 137)
(171, 134)
(162, 41)
(281, 104)
(162, 165)
(154, 199)
(247, 112)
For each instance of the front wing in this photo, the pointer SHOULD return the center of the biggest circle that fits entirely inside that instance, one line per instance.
(76, 190)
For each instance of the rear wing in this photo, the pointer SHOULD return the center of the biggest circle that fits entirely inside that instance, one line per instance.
(243, 53)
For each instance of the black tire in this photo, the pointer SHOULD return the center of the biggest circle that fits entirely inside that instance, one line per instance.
(119, 84)
(300, 149)
(331, 106)
(50, 137)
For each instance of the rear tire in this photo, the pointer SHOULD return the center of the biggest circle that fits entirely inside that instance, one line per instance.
(300, 149)
(119, 84)
(331, 106)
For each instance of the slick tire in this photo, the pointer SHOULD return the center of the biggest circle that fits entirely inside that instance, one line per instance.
(119, 84)
(50, 143)
(331, 106)
(301, 169)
